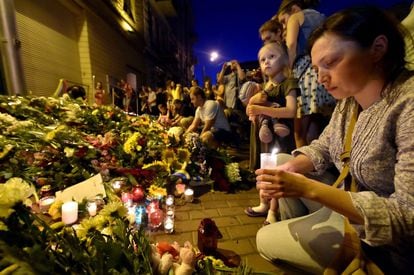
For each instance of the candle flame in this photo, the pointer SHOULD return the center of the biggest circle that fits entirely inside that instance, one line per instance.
(275, 151)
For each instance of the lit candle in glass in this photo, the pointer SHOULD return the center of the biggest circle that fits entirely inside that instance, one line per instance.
(126, 199)
(169, 225)
(170, 212)
(169, 201)
(45, 203)
(92, 208)
(69, 212)
(268, 160)
(189, 195)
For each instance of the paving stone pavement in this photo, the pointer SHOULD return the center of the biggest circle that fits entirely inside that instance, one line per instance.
(238, 230)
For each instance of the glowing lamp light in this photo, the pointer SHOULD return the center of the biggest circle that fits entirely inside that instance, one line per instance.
(213, 56)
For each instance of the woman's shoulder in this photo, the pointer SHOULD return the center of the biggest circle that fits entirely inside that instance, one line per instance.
(403, 87)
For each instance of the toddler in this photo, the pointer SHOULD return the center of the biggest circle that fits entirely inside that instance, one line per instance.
(276, 103)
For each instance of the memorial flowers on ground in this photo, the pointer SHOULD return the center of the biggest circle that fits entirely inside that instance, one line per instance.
(61, 142)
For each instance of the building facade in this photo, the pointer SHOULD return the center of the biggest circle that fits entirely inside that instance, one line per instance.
(144, 42)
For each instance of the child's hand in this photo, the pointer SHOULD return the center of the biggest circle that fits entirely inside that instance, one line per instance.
(253, 110)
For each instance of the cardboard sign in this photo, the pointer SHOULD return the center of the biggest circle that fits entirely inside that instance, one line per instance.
(89, 188)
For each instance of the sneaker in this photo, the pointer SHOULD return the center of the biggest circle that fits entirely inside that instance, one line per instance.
(251, 213)
(265, 135)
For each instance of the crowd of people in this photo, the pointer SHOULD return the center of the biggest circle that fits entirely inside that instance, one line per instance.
(316, 75)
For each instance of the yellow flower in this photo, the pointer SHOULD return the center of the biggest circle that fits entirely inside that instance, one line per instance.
(54, 210)
(156, 191)
(131, 143)
(114, 208)
(15, 190)
(69, 152)
(183, 155)
(96, 223)
(3, 227)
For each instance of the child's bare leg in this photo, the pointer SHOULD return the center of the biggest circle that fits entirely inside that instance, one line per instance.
(271, 214)
(264, 204)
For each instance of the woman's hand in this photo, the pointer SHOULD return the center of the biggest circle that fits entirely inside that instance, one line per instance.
(277, 183)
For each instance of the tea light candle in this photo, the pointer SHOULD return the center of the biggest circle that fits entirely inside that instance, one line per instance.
(268, 160)
(170, 212)
(169, 225)
(116, 185)
(45, 203)
(189, 195)
(92, 208)
(169, 201)
(70, 212)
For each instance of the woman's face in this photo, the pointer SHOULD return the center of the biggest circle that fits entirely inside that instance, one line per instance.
(343, 67)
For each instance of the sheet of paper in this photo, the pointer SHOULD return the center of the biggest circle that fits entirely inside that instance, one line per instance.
(86, 189)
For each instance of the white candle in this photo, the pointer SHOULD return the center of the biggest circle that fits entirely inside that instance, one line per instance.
(70, 212)
(92, 208)
(189, 195)
(268, 160)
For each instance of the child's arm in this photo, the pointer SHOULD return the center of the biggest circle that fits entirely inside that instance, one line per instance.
(289, 111)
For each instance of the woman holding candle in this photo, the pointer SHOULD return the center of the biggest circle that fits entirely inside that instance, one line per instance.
(359, 55)
(280, 89)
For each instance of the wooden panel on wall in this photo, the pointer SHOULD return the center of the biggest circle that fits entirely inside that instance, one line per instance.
(49, 34)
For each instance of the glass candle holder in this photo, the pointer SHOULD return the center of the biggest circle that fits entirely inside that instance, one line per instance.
(126, 199)
(45, 203)
(140, 215)
(189, 195)
(155, 219)
(169, 201)
(170, 211)
(92, 208)
(268, 160)
(169, 225)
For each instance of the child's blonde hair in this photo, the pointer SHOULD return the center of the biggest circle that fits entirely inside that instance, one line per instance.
(282, 49)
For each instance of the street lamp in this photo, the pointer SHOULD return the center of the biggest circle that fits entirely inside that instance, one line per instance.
(213, 57)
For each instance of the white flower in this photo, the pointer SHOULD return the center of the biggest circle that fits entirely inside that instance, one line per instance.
(233, 172)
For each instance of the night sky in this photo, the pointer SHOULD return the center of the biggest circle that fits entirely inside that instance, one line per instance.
(230, 27)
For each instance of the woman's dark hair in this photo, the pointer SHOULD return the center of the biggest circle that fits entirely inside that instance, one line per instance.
(286, 5)
(362, 25)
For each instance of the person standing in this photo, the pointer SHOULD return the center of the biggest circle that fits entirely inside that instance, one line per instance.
(231, 76)
(281, 90)
(100, 94)
(271, 31)
(315, 105)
